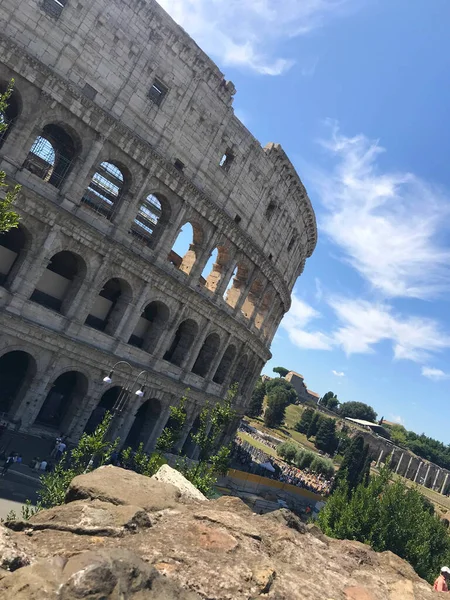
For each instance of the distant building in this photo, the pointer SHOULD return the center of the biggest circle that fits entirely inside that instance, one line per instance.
(298, 383)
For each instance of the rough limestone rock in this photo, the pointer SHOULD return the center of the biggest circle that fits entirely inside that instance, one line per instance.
(118, 486)
(216, 550)
(11, 557)
(102, 575)
(188, 491)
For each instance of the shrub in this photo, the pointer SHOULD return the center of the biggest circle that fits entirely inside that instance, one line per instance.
(288, 451)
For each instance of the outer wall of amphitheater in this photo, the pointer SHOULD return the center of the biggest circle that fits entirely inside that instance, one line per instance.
(121, 133)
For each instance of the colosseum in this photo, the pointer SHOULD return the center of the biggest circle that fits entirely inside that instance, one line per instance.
(123, 137)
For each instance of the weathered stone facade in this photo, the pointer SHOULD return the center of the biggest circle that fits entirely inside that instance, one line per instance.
(121, 132)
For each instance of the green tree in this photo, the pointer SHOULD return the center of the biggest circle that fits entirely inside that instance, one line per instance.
(172, 431)
(281, 371)
(92, 451)
(389, 516)
(213, 458)
(398, 435)
(355, 465)
(358, 410)
(277, 385)
(326, 439)
(329, 400)
(288, 451)
(256, 401)
(305, 420)
(314, 425)
(274, 414)
(9, 219)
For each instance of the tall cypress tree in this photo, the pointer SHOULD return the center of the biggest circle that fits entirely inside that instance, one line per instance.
(326, 439)
(355, 465)
(305, 420)
(314, 425)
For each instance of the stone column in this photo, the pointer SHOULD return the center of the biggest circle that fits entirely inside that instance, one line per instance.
(191, 416)
(438, 472)
(379, 459)
(166, 338)
(189, 360)
(33, 401)
(444, 484)
(426, 476)
(80, 176)
(157, 429)
(417, 472)
(399, 463)
(259, 303)
(216, 361)
(227, 272)
(407, 468)
(245, 290)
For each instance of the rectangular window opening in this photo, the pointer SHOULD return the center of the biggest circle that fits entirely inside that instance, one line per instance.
(178, 165)
(226, 160)
(53, 8)
(158, 92)
(237, 219)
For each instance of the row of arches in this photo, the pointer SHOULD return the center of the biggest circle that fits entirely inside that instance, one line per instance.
(66, 271)
(67, 394)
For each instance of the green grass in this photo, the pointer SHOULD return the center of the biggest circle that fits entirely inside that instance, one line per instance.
(293, 415)
(248, 438)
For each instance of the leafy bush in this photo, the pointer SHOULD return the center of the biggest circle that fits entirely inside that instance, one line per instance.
(306, 459)
(305, 420)
(288, 451)
(322, 466)
(389, 516)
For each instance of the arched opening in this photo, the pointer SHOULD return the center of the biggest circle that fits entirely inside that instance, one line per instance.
(150, 326)
(17, 370)
(263, 309)
(248, 377)
(206, 355)
(239, 371)
(182, 342)
(292, 242)
(270, 210)
(60, 280)
(66, 393)
(51, 155)
(252, 299)
(185, 250)
(153, 215)
(238, 284)
(9, 114)
(105, 190)
(225, 365)
(144, 423)
(189, 445)
(107, 401)
(109, 305)
(213, 271)
(12, 243)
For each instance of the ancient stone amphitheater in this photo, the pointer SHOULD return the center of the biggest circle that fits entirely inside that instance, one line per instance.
(122, 135)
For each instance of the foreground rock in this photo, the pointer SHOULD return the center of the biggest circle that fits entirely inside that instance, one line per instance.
(188, 491)
(134, 538)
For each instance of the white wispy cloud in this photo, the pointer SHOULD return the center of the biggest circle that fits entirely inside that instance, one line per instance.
(249, 33)
(361, 325)
(397, 419)
(319, 289)
(338, 373)
(434, 374)
(388, 225)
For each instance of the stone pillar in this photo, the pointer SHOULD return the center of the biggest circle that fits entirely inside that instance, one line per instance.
(166, 338)
(379, 459)
(227, 272)
(189, 360)
(33, 401)
(444, 484)
(245, 290)
(258, 304)
(426, 476)
(216, 361)
(407, 468)
(438, 472)
(417, 472)
(157, 429)
(80, 175)
(190, 418)
(399, 463)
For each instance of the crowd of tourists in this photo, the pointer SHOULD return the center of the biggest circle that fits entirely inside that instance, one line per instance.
(306, 479)
(254, 460)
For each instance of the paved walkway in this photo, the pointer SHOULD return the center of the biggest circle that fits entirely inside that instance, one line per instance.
(29, 446)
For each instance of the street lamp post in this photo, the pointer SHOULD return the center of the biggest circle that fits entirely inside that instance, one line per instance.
(122, 398)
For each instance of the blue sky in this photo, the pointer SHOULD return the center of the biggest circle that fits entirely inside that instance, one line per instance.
(358, 94)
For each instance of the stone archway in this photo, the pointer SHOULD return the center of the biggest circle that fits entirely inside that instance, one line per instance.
(67, 391)
(106, 404)
(144, 423)
(17, 369)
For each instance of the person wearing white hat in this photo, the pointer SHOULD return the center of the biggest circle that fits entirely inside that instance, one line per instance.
(440, 585)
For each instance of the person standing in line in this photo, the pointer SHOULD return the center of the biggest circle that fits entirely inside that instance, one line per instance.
(441, 583)
(54, 451)
(60, 449)
(8, 463)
